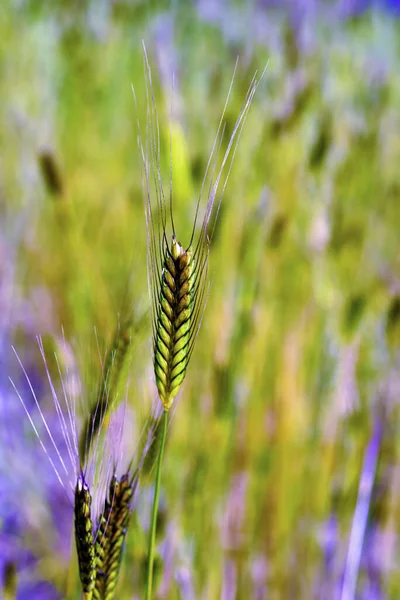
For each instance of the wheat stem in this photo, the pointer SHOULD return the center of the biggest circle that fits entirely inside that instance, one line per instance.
(152, 539)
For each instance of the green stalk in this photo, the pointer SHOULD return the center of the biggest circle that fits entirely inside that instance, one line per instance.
(152, 539)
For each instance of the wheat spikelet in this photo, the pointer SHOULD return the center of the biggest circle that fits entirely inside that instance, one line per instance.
(84, 537)
(111, 531)
(178, 274)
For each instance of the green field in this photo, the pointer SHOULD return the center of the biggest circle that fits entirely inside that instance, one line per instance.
(281, 475)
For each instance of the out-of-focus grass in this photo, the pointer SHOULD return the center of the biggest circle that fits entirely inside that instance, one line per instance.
(296, 360)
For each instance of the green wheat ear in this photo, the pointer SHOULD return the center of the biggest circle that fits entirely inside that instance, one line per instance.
(84, 537)
(111, 531)
(173, 326)
(177, 274)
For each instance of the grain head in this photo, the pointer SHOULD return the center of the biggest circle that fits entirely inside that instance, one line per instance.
(178, 274)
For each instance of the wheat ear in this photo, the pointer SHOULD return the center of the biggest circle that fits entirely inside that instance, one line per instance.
(175, 315)
(84, 537)
(98, 556)
(111, 531)
(177, 276)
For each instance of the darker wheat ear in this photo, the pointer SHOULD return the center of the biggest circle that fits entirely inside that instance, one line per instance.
(84, 537)
(95, 491)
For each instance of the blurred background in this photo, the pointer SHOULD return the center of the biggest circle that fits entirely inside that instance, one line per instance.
(281, 476)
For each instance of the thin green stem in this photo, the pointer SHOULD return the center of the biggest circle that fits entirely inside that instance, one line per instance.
(152, 539)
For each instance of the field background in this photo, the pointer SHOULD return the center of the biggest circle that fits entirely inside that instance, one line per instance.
(281, 476)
